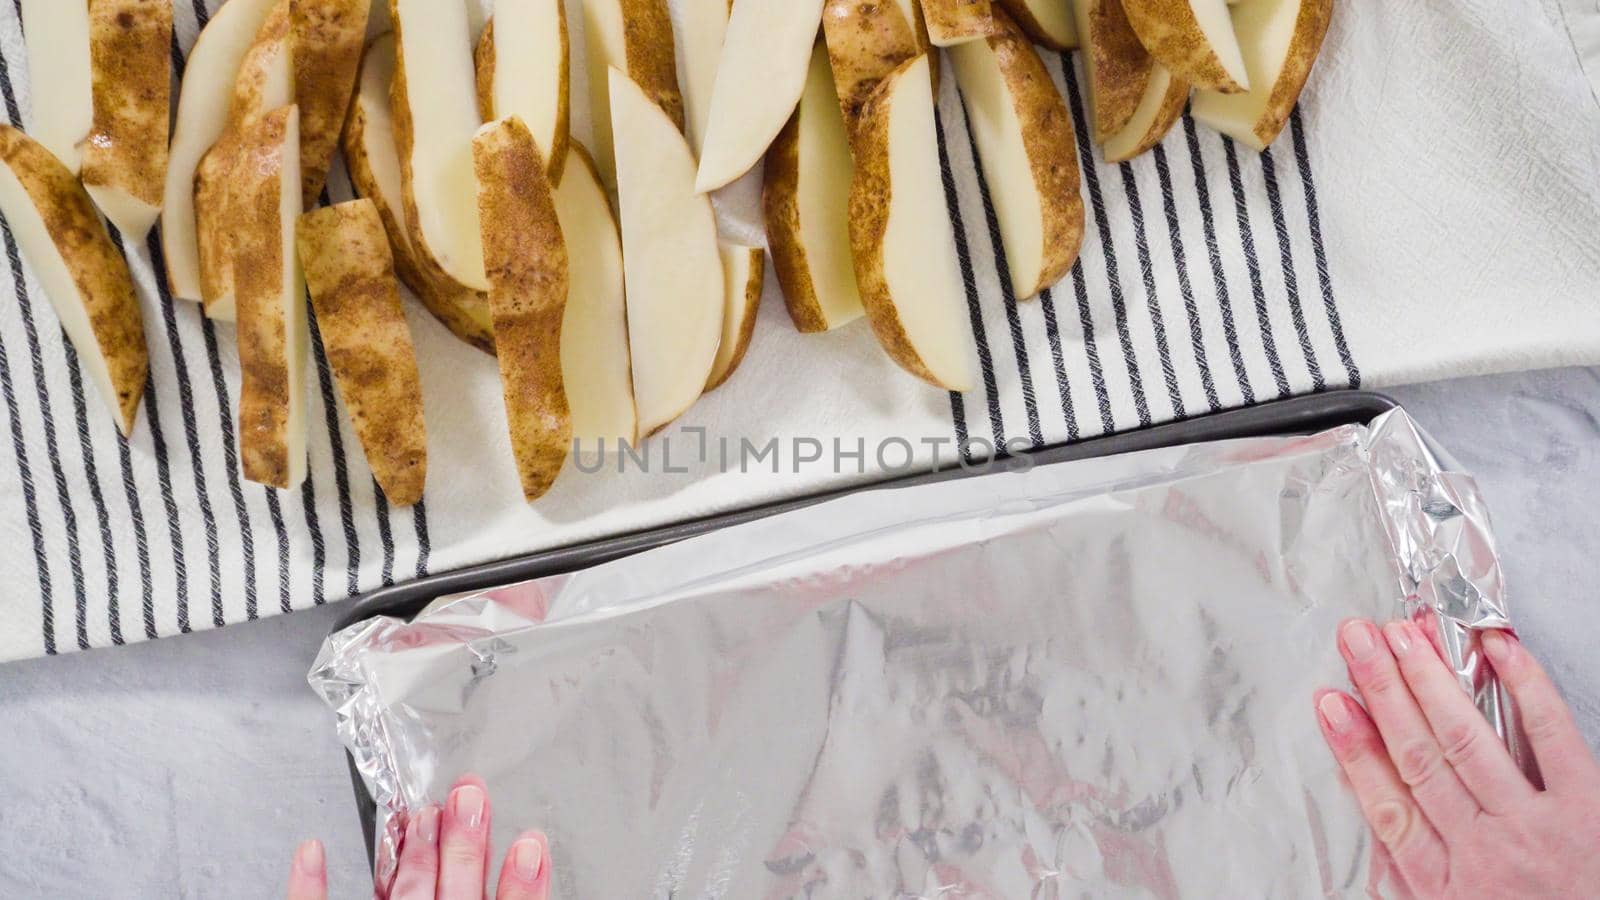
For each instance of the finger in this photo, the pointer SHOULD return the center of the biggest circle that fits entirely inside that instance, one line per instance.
(417, 873)
(1469, 745)
(1564, 759)
(1386, 802)
(1411, 746)
(525, 874)
(464, 842)
(308, 874)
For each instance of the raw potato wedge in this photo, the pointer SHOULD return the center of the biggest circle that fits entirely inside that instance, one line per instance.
(1047, 22)
(350, 274)
(743, 274)
(265, 82)
(952, 22)
(522, 71)
(1192, 38)
(643, 51)
(125, 158)
(594, 331)
(703, 25)
(1029, 154)
(526, 257)
(56, 36)
(435, 107)
(905, 245)
(1159, 109)
(202, 116)
(759, 80)
(273, 335)
(1119, 69)
(1280, 40)
(867, 41)
(671, 265)
(80, 270)
(374, 164)
(328, 37)
(806, 201)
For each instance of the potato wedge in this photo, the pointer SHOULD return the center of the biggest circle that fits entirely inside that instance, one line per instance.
(434, 101)
(905, 246)
(522, 71)
(350, 274)
(1028, 151)
(1119, 69)
(1280, 40)
(273, 334)
(525, 255)
(265, 82)
(703, 24)
(125, 158)
(867, 41)
(759, 80)
(1159, 109)
(203, 105)
(1192, 38)
(594, 331)
(806, 202)
(1048, 22)
(634, 37)
(374, 164)
(328, 37)
(744, 273)
(80, 270)
(952, 22)
(56, 36)
(671, 265)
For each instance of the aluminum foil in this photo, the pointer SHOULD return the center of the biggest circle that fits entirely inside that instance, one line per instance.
(1086, 679)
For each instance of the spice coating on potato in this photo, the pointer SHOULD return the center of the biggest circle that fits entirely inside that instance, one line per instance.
(328, 37)
(130, 45)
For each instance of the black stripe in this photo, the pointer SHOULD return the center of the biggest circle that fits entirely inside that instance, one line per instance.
(1291, 285)
(1247, 243)
(1314, 219)
(191, 432)
(969, 281)
(1052, 333)
(1119, 310)
(201, 15)
(230, 454)
(1141, 245)
(29, 500)
(319, 550)
(80, 409)
(275, 512)
(341, 467)
(419, 520)
(385, 536)
(1213, 251)
(1008, 294)
(1169, 205)
(1097, 375)
(958, 418)
(174, 533)
(141, 545)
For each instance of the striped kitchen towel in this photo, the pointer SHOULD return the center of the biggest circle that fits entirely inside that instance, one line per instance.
(1433, 209)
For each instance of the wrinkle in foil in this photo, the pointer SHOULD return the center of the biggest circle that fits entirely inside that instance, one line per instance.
(1091, 678)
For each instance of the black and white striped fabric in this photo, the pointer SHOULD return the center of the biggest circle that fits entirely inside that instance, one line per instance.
(1211, 277)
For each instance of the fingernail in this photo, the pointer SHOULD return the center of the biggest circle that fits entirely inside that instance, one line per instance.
(309, 858)
(428, 824)
(526, 855)
(467, 804)
(1399, 640)
(1334, 712)
(1359, 640)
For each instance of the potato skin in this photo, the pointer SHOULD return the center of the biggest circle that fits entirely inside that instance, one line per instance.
(99, 271)
(484, 61)
(1023, 16)
(651, 57)
(1173, 104)
(780, 202)
(1052, 150)
(751, 302)
(328, 37)
(350, 274)
(525, 256)
(1169, 30)
(130, 46)
(1121, 64)
(1310, 27)
(871, 193)
(866, 40)
(960, 19)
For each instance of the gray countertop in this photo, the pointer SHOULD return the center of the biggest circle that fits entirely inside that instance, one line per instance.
(190, 767)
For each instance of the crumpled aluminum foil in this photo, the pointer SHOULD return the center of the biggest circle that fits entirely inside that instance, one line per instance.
(1086, 679)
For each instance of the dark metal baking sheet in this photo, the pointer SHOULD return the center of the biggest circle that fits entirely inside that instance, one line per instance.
(1296, 415)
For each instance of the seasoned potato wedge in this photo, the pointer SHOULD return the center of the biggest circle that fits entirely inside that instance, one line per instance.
(125, 158)
(952, 22)
(328, 37)
(1192, 38)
